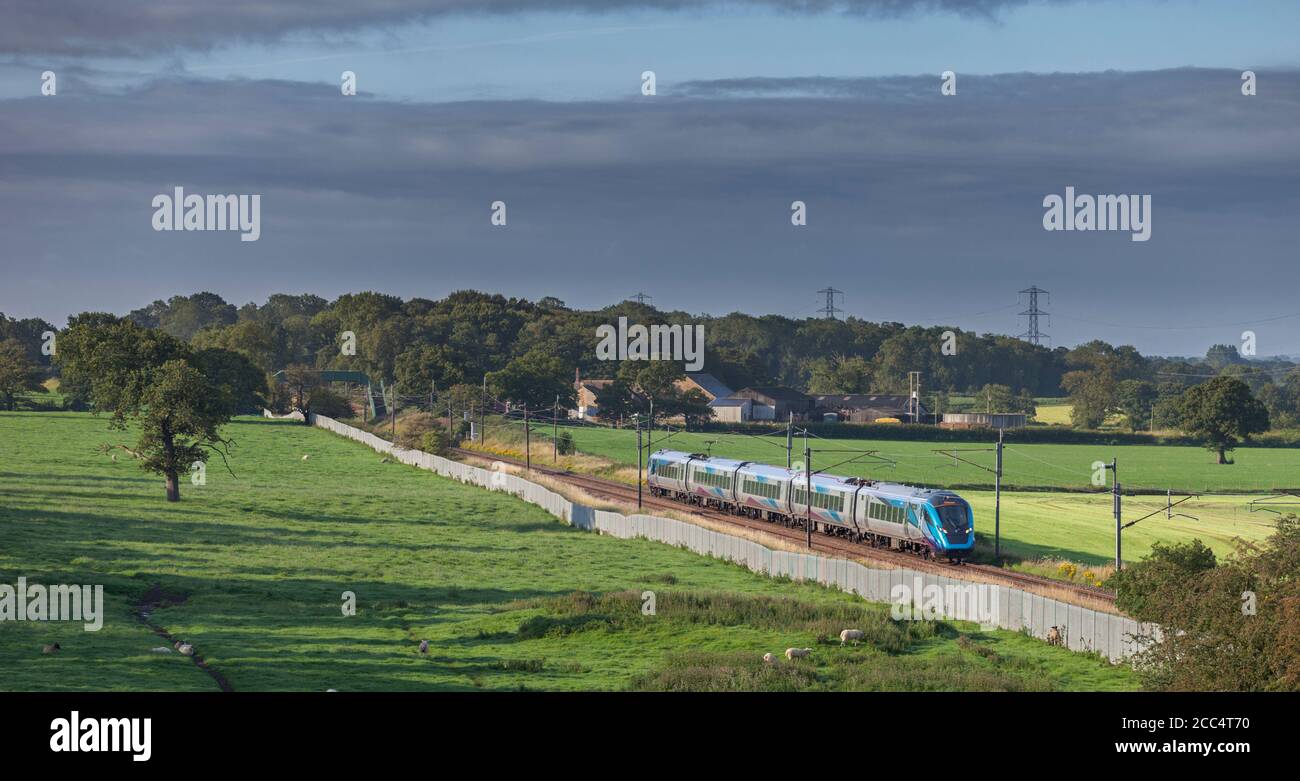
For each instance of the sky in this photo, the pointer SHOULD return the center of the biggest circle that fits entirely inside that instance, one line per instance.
(922, 207)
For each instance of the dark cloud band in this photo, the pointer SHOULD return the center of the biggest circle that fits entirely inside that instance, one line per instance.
(148, 27)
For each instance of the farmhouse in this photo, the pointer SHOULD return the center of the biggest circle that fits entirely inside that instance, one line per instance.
(588, 397)
(588, 391)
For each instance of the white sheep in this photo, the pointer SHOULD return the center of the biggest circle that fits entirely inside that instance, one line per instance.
(306, 456)
(185, 649)
(854, 635)
(768, 658)
(797, 653)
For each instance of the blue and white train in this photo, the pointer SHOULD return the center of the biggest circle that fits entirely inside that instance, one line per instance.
(931, 522)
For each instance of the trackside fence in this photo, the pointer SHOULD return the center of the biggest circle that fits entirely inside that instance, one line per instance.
(1080, 629)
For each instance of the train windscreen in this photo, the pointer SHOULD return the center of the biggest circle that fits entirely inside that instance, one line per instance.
(953, 517)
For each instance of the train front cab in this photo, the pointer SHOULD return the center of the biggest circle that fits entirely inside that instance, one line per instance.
(950, 527)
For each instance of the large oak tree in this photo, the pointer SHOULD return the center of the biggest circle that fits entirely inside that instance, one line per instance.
(1222, 412)
(146, 377)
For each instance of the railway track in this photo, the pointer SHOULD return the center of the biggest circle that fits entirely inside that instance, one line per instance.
(826, 543)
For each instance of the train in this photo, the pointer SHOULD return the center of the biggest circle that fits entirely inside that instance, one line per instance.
(933, 523)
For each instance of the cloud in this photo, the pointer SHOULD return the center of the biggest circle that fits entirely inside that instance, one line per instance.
(146, 27)
(904, 189)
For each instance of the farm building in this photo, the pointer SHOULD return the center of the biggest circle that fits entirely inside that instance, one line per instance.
(771, 402)
(588, 397)
(995, 420)
(705, 383)
(732, 410)
(869, 407)
(588, 392)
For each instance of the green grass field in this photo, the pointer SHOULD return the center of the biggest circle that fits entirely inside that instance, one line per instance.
(1081, 527)
(497, 586)
(1180, 468)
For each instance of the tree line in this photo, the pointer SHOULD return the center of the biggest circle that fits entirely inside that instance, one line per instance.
(528, 352)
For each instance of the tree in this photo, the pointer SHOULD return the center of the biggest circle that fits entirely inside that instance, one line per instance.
(535, 380)
(693, 406)
(1092, 396)
(1231, 625)
(234, 375)
(1222, 412)
(840, 374)
(617, 400)
(996, 398)
(1136, 399)
(302, 381)
(17, 372)
(145, 376)
(182, 414)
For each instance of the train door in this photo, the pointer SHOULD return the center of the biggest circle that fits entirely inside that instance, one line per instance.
(912, 523)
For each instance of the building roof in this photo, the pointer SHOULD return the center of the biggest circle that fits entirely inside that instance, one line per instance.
(775, 392)
(729, 402)
(709, 383)
(863, 401)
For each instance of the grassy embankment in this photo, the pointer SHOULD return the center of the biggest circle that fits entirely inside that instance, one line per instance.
(507, 596)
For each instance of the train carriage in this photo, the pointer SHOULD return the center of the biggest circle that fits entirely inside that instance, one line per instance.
(763, 491)
(832, 499)
(927, 521)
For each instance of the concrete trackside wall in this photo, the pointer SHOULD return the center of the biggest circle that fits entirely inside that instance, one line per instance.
(1082, 629)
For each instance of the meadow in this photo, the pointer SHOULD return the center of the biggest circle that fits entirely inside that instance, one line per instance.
(1037, 466)
(256, 562)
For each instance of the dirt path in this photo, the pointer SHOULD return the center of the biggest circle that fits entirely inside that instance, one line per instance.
(156, 598)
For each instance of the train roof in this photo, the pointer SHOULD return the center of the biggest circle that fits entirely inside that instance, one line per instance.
(896, 490)
(910, 491)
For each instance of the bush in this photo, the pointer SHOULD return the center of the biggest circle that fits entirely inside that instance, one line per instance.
(1225, 626)
(564, 444)
(330, 404)
(411, 429)
(435, 441)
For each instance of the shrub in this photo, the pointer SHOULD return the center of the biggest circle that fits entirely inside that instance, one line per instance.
(435, 441)
(330, 404)
(564, 444)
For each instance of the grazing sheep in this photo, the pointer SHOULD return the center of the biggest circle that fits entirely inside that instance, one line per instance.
(52, 648)
(797, 653)
(186, 649)
(305, 457)
(768, 658)
(424, 646)
(855, 635)
(1054, 636)
(331, 690)
(162, 649)
(113, 456)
